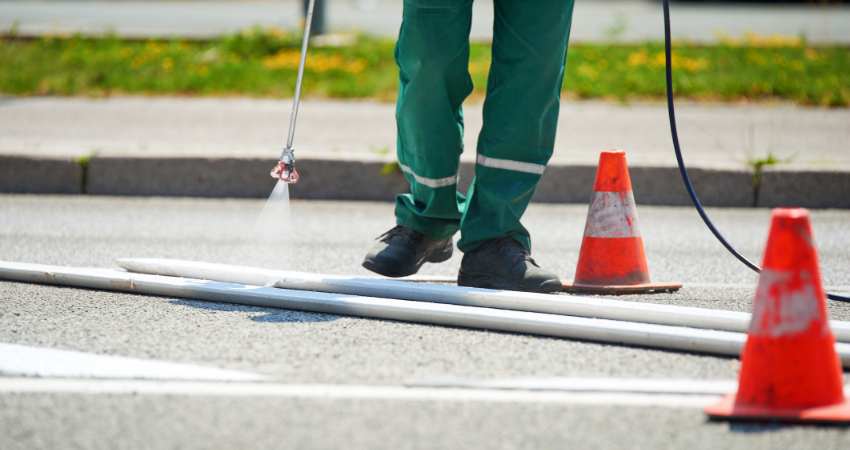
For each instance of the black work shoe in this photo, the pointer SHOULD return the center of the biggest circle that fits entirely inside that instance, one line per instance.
(402, 251)
(505, 264)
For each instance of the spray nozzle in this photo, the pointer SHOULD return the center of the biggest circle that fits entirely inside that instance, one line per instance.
(285, 168)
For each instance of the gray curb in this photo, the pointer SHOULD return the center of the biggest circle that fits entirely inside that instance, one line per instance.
(185, 177)
(245, 178)
(28, 175)
(812, 189)
(372, 179)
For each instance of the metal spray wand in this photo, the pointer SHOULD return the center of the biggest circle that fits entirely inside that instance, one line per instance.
(285, 168)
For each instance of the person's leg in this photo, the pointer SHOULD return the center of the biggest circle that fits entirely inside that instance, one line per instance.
(520, 117)
(432, 54)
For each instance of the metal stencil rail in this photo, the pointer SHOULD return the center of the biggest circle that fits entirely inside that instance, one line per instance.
(594, 307)
(599, 330)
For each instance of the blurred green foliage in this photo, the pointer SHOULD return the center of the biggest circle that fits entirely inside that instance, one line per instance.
(263, 63)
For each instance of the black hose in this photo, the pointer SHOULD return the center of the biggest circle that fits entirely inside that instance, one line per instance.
(683, 170)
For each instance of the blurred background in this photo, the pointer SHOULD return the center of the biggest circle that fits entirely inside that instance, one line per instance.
(209, 78)
(824, 20)
(726, 50)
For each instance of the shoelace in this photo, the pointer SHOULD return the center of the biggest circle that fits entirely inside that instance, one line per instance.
(398, 232)
(516, 252)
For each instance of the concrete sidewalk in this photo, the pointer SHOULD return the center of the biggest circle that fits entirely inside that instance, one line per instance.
(597, 20)
(225, 147)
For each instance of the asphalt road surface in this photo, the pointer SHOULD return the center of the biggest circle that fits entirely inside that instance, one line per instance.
(358, 364)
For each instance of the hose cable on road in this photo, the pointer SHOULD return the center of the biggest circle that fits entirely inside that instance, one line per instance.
(683, 170)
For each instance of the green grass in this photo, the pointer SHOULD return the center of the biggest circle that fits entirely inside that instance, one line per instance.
(263, 63)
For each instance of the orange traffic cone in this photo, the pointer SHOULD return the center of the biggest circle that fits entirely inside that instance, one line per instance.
(789, 368)
(612, 260)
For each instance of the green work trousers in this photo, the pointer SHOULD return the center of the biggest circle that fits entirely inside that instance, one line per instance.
(520, 115)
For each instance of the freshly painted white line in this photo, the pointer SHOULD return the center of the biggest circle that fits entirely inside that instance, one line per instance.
(47, 362)
(697, 284)
(426, 279)
(753, 285)
(691, 284)
(345, 392)
(569, 305)
(608, 385)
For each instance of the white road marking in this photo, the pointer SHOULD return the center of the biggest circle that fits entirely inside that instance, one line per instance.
(752, 286)
(691, 284)
(46, 362)
(344, 392)
(608, 385)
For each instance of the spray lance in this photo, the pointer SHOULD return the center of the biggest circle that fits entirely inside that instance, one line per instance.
(285, 169)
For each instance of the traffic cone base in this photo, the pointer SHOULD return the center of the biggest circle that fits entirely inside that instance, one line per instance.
(727, 409)
(612, 260)
(621, 289)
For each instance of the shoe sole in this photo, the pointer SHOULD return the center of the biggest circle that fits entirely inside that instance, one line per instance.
(486, 281)
(392, 271)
